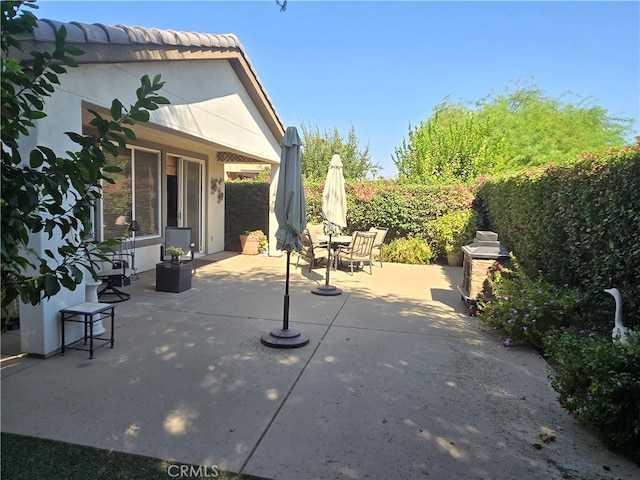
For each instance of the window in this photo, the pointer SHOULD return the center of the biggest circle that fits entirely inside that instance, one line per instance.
(135, 195)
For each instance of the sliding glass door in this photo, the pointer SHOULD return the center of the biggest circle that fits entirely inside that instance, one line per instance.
(192, 199)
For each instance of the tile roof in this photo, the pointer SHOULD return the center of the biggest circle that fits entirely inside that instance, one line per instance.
(121, 34)
(127, 44)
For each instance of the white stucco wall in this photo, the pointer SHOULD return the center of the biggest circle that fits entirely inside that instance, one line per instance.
(207, 101)
(214, 210)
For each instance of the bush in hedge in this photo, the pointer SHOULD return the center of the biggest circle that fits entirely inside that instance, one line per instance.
(525, 308)
(412, 250)
(450, 231)
(599, 383)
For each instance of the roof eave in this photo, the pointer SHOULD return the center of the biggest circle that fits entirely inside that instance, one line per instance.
(122, 44)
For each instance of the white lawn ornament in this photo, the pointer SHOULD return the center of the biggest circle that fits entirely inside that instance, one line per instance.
(620, 332)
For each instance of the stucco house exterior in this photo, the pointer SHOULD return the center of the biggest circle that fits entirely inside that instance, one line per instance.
(174, 175)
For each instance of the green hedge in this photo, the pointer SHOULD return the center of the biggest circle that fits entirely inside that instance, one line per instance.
(404, 209)
(246, 209)
(576, 225)
(409, 211)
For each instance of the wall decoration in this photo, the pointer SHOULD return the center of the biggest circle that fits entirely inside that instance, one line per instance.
(217, 188)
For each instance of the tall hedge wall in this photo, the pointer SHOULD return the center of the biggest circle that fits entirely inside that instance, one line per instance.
(246, 208)
(579, 225)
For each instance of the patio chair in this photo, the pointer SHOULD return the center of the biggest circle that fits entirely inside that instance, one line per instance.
(313, 252)
(315, 230)
(117, 272)
(381, 233)
(359, 250)
(179, 237)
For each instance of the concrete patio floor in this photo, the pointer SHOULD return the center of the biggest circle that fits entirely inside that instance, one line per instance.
(396, 382)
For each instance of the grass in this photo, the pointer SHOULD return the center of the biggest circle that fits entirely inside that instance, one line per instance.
(31, 458)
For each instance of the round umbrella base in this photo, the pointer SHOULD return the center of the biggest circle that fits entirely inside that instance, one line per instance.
(326, 290)
(280, 338)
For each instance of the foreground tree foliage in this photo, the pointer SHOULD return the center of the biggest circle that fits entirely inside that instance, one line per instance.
(318, 148)
(513, 130)
(44, 192)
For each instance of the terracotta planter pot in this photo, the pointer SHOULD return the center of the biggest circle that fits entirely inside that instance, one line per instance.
(454, 259)
(249, 245)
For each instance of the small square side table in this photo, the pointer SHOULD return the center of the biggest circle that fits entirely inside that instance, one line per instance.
(88, 313)
(173, 277)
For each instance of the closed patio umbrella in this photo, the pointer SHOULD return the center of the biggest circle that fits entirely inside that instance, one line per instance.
(291, 213)
(334, 210)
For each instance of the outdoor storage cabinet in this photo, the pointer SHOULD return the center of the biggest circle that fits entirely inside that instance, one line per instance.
(173, 277)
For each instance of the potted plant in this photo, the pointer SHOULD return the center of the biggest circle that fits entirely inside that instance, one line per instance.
(450, 232)
(176, 253)
(253, 242)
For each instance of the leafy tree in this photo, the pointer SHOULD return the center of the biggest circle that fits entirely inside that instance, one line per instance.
(318, 148)
(454, 145)
(47, 193)
(516, 129)
(542, 129)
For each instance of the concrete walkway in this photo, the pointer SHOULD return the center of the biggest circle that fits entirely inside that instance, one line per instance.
(396, 383)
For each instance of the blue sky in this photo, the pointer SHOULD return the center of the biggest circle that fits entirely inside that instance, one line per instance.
(378, 66)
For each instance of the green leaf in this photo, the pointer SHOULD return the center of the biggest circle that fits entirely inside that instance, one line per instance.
(36, 158)
(129, 133)
(71, 50)
(76, 273)
(116, 109)
(140, 116)
(51, 285)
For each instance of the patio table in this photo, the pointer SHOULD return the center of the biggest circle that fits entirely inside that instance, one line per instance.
(337, 241)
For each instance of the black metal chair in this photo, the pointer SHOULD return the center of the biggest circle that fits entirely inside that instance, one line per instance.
(117, 272)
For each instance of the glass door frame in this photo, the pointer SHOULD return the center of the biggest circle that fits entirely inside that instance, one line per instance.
(183, 216)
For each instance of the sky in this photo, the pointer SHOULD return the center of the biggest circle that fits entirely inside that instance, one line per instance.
(381, 66)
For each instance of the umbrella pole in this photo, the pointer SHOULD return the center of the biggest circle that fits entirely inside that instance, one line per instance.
(329, 257)
(285, 315)
(285, 337)
(326, 289)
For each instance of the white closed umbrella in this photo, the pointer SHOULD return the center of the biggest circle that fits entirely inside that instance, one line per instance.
(334, 197)
(334, 210)
(291, 212)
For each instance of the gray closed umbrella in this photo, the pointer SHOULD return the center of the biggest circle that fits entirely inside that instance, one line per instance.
(291, 212)
(290, 207)
(334, 210)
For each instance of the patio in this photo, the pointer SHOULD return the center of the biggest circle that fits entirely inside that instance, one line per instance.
(396, 382)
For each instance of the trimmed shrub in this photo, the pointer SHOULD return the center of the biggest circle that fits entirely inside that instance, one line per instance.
(450, 231)
(598, 382)
(411, 250)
